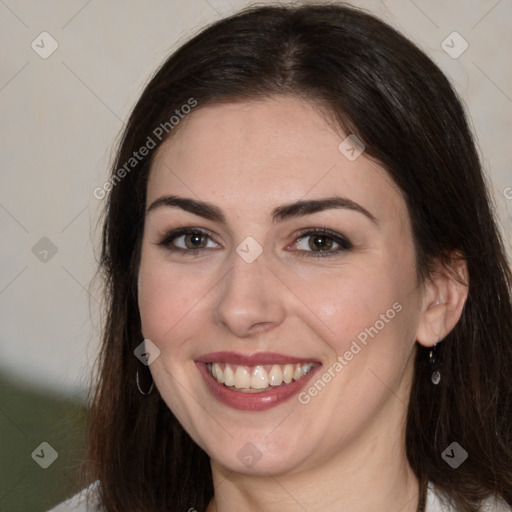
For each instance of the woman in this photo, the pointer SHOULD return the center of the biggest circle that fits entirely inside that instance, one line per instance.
(308, 298)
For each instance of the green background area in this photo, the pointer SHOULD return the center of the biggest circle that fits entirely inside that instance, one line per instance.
(29, 417)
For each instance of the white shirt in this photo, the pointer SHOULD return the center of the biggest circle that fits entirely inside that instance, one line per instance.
(435, 503)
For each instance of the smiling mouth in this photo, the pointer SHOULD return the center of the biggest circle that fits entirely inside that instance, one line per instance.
(258, 378)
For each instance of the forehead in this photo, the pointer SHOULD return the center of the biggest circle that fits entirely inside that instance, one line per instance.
(266, 152)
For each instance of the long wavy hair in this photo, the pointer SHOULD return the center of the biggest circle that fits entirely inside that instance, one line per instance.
(370, 81)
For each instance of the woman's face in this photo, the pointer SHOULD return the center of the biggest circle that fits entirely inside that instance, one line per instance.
(298, 281)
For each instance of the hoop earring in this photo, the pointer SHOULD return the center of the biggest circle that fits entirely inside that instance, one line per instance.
(137, 380)
(433, 357)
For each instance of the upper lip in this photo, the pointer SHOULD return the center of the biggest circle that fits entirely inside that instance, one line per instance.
(259, 358)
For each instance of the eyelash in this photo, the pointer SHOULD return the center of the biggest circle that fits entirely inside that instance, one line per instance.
(342, 241)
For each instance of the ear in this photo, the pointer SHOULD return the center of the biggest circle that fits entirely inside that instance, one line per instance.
(445, 293)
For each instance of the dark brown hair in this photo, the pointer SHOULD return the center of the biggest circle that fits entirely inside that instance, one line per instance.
(373, 83)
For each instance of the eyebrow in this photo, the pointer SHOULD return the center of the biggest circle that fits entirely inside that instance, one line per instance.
(287, 211)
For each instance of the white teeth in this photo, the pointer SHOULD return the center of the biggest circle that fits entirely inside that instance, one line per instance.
(288, 373)
(217, 373)
(242, 378)
(257, 378)
(306, 368)
(229, 376)
(275, 376)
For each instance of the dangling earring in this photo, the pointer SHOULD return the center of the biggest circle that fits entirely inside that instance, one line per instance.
(148, 378)
(433, 356)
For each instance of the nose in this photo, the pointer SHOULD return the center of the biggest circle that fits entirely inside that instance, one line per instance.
(250, 299)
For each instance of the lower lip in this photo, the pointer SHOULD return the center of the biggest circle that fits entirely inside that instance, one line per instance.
(253, 401)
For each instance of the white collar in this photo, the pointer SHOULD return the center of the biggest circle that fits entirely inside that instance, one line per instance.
(438, 502)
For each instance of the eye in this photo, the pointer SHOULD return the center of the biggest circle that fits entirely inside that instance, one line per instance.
(187, 240)
(311, 242)
(323, 242)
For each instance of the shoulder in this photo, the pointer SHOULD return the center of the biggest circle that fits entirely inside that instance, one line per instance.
(437, 502)
(87, 500)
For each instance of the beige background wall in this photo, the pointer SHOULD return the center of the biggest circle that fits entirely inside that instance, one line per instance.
(60, 116)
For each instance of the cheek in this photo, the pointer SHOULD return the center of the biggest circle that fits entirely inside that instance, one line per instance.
(165, 298)
(348, 303)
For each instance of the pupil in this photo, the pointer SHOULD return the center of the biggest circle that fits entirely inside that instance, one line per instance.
(195, 239)
(321, 242)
